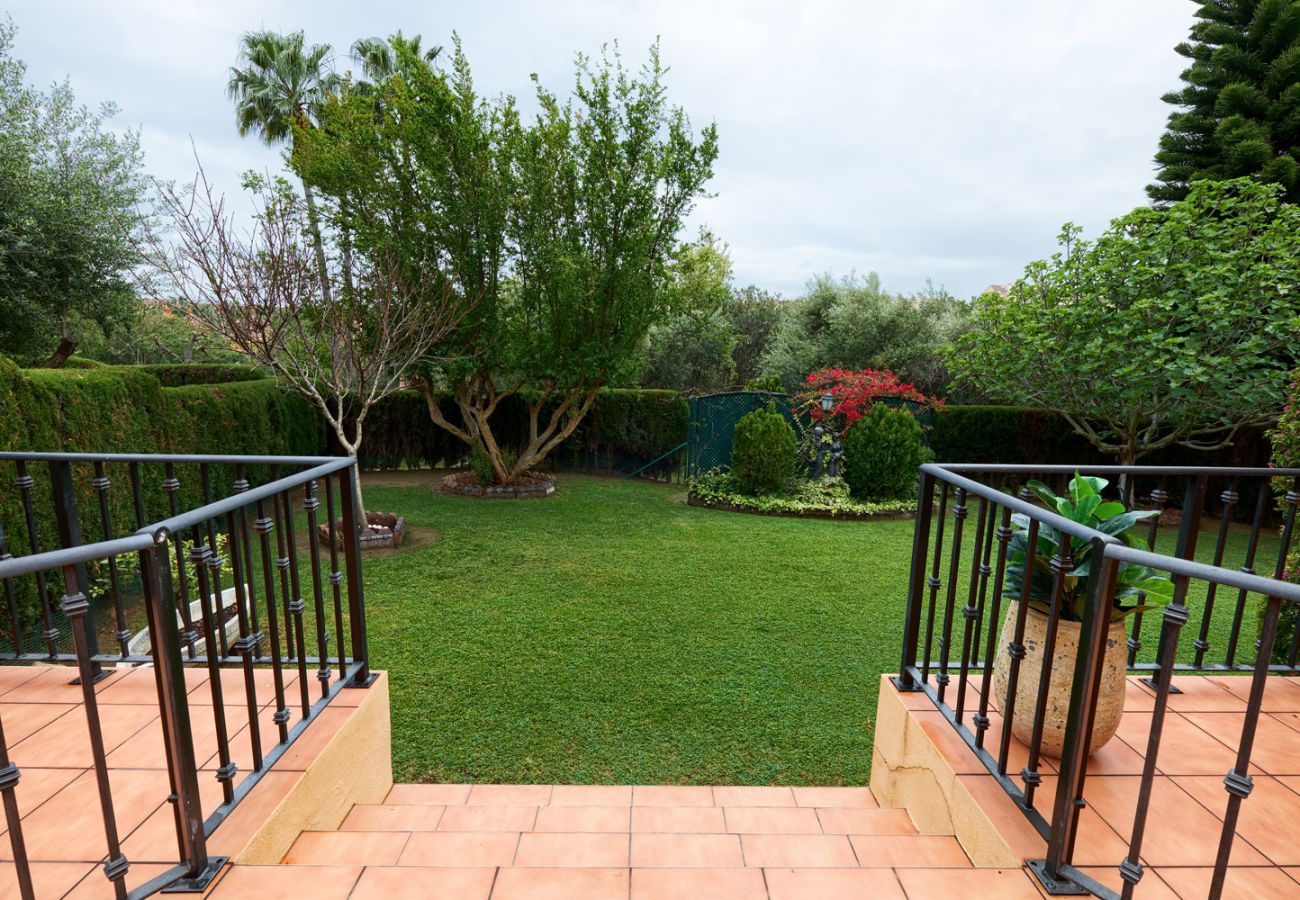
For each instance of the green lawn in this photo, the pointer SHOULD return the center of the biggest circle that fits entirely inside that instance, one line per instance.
(612, 634)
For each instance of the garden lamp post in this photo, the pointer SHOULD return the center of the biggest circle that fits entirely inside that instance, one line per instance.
(836, 449)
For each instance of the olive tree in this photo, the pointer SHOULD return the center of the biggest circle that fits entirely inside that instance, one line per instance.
(1174, 326)
(557, 231)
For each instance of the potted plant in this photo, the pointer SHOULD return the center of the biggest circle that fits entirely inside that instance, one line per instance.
(1137, 588)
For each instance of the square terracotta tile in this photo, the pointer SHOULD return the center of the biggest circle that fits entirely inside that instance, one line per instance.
(1269, 803)
(459, 849)
(21, 720)
(35, 786)
(865, 821)
(509, 795)
(1277, 746)
(52, 684)
(833, 884)
(286, 882)
(715, 884)
(1097, 843)
(65, 742)
(1281, 694)
(672, 795)
(834, 797)
(808, 851)
(766, 820)
(76, 810)
(753, 796)
(679, 819)
(488, 818)
(392, 818)
(96, 887)
(1149, 888)
(350, 848)
(909, 851)
(1194, 841)
(1256, 884)
(48, 879)
(1185, 747)
(987, 884)
(561, 884)
(431, 794)
(309, 744)
(614, 819)
(591, 795)
(1201, 694)
(686, 851)
(399, 882)
(14, 676)
(572, 850)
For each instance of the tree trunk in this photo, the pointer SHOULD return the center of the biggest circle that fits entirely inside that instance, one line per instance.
(60, 356)
(313, 225)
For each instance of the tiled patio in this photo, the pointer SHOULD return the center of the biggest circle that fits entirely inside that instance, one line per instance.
(45, 727)
(1202, 727)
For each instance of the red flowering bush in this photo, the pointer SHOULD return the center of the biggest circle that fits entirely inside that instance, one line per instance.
(854, 393)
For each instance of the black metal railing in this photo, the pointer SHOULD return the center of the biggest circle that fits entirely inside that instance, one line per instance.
(1234, 616)
(87, 592)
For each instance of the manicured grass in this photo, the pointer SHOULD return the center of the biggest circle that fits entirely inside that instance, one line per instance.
(612, 634)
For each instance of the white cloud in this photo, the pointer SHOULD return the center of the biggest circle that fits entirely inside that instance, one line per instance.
(942, 139)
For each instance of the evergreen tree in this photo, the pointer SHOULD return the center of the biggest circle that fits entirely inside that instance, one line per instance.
(1239, 108)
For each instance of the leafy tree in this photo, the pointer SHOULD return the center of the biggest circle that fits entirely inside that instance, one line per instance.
(280, 90)
(559, 231)
(1175, 326)
(1239, 109)
(882, 453)
(691, 354)
(752, 314)
(156, 331)
(73, 205)
(854, 323)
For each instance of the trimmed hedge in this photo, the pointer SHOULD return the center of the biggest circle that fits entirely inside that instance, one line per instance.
(623, 430)
(200, 373)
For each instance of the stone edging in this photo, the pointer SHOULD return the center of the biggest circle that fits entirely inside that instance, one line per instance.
(451, 484)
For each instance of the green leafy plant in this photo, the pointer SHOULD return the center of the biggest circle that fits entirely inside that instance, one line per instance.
(882, 453)
(1137, 588)
(763, 451)
(806, 498)
(191, 573)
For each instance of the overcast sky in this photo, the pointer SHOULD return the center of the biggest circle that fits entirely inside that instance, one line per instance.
(921, 139)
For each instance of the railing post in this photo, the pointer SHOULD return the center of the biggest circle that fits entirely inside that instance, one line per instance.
(9, 776)
(350, 501)
(906, 680)
(69, 525)
(169, 678)
(1078, 729)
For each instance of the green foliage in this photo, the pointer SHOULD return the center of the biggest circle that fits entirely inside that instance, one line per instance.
(763, 451)
(1286, 455)
(1238, 113)
(805, 497)
(769, 383)
(1175, 326)
(154, 333)
(753, 315)
(691, 354)
(1137, 588)
(174, 375)
(882, 453)
(854, 323)
(72, 196)
(480, 465)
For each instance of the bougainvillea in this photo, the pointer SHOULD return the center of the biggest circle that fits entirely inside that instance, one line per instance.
(854, 393)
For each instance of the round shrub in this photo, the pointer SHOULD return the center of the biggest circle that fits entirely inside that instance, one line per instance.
(762, 451)
(882, 452)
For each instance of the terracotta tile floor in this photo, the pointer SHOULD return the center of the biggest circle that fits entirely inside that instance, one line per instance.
(45, 727)
(1202, 729)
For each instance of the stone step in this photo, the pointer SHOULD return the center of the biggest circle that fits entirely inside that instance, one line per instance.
(626, 795)
(620, 850)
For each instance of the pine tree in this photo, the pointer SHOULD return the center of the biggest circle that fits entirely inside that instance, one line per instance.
(1239, 108)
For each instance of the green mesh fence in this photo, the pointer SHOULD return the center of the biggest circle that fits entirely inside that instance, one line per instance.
(713, 423)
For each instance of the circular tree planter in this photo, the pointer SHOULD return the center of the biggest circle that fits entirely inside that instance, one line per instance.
(383, 531)
(527, 486)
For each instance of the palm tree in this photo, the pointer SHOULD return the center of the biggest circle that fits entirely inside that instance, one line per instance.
(283, 83)
(378, 58)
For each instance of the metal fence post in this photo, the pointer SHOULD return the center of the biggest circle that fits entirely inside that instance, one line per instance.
(906, 681)
(169, 678)
(69, 524)
(350, 501)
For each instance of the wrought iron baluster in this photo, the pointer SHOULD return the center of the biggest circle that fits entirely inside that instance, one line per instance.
(247, 642)
(1202, 642)
(336, 578)
(214, 562)
(1003, 537)
(9, 778)
(1158, 498)
(311, 503)
(350, 499)
(950, 600)
(934, 581)
(1016, 646)
(906, 680)
(171, 487)
(969, 610)
(1247, 567)
(200, 555)
(24, 483)
(75, 607)
(296, 605)
(264, 525)
(985, 570)
(101, 484)
(1062, 565)
(240, 486)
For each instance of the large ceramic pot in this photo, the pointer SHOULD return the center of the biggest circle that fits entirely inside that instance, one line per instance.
(1110, 700)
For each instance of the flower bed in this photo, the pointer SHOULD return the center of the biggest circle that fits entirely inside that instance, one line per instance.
(533, 484)
(808, 499)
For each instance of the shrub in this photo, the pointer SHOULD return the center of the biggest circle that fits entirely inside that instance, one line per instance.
(763, 451)
(480, 464)
(882, 453)
(1286, 455)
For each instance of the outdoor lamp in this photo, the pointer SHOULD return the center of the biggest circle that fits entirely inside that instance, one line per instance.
(827, 402)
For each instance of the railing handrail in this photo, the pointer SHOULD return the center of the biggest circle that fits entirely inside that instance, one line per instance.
(1041, 513)
(159, 531)
(1106, 469)
(1233, 578)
